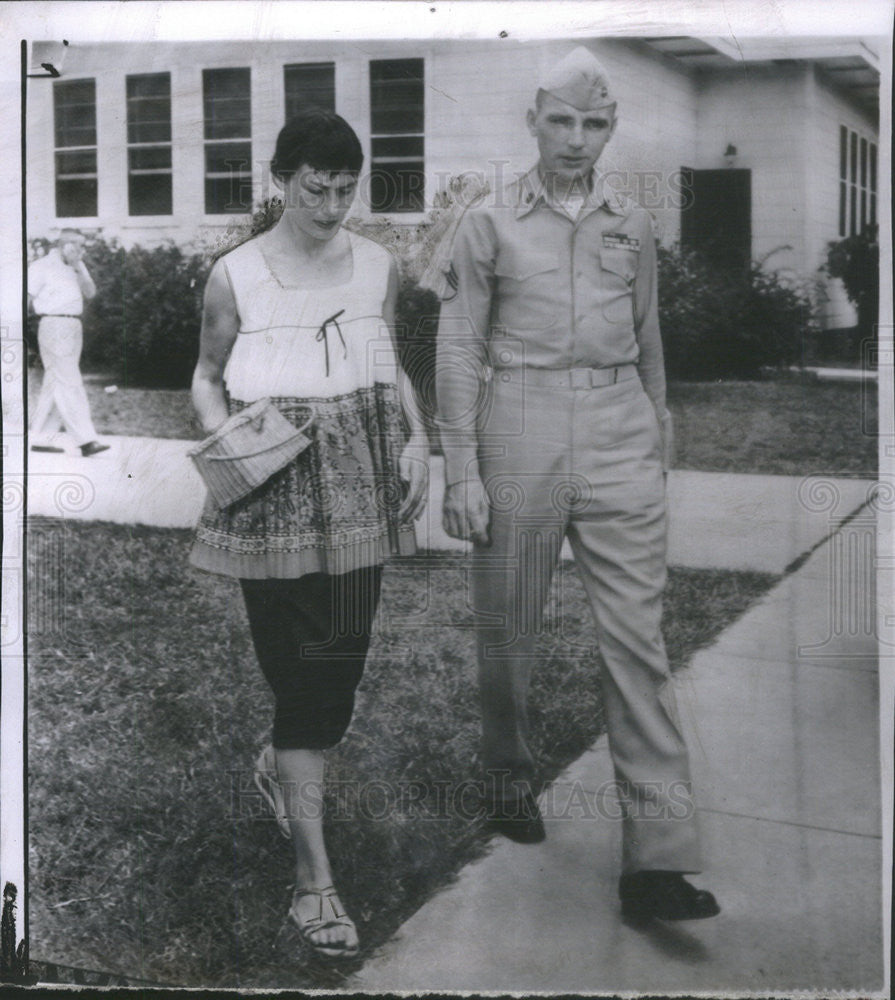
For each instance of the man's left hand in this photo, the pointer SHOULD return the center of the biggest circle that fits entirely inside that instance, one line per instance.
(413, 468)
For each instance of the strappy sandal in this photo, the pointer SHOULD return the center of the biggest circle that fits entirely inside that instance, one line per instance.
(330, 914)
(268, 784)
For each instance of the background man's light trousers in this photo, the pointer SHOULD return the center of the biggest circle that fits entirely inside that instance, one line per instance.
(584, 463)
(62, 392)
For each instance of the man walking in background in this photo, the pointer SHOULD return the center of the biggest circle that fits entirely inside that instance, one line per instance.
(58, 283)
(551, 392)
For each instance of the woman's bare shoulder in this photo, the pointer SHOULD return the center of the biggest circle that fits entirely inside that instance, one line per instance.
(371, 247)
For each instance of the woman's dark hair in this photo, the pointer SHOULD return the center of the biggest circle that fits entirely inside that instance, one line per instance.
(319, 139)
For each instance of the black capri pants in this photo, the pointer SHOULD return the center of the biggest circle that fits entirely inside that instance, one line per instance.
(311, 637)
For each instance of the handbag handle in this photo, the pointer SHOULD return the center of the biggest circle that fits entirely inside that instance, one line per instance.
(261, 451)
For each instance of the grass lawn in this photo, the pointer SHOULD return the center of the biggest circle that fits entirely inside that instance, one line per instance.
(150, 855)
(779, 427)
(785, 428)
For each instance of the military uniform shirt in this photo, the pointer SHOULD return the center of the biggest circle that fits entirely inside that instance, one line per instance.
(529, 286)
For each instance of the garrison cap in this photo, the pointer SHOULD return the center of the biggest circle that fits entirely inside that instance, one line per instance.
(580, 80)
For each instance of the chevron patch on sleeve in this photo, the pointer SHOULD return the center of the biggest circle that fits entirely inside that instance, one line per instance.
(453, 282)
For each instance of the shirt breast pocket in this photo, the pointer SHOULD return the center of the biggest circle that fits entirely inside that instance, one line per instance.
(617, 271)
(522, 263)
(528, 288)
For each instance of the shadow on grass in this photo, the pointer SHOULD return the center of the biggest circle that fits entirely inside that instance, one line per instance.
(150, 853)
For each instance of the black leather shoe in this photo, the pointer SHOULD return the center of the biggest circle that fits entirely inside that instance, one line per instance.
(665, 896)
(93, 448)
(47, 447)
(518, 819)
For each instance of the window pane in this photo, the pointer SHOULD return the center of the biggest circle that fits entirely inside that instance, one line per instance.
(398, 146)
(396, 95)
(225, 157)
(843, 201)
(149, 158)
(863, 162)
(149, 85)
(75, 197)
(852, 226)
(149, 120)
(81, 161)
(397, 187)
(149, 194)
(863, 215)
(873, 210)
(228, 118)
(843, 152)
(309, 84)
(228, 195)
(853, 170)
(228, 103)
(873, 167)
(149, 132)
(74, 107)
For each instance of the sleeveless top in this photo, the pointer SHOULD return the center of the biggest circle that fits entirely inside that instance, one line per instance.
(327, 354)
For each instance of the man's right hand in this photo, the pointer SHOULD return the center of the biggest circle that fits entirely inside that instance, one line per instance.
(466, 511)
(72, 254)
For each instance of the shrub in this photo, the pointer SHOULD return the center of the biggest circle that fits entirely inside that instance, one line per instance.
(143, 324)
(855, 260)
(720, 323)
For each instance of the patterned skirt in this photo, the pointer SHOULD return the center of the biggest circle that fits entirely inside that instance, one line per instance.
(333, 509)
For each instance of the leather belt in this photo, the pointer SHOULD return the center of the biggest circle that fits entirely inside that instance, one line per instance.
(567, 378)
(60, 316)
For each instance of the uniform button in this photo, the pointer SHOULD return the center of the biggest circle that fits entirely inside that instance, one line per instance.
(505, 377)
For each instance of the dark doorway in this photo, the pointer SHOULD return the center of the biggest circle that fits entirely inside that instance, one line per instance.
(716, 217)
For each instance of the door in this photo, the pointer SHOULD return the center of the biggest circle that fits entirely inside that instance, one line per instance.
(716, 217)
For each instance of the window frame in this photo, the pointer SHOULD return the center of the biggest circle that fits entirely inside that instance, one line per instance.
(406, 214)
(150, 145)
(858, 163)
(60, 150)
(240, 177)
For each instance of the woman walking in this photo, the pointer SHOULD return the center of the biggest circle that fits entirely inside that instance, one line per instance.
(302, 315)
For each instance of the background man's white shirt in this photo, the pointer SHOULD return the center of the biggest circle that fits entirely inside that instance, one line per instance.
(54, 286)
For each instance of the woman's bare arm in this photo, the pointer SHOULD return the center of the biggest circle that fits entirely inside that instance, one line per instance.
(220, 326)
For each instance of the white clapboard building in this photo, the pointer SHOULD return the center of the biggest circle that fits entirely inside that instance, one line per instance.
(768, 148)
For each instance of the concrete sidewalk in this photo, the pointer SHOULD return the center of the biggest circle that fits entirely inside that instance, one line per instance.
(717, 520)
(781, 716)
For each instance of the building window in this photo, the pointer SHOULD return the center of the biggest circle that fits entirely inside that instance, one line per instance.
(74, 119)
(857, 182)
(149, 144)
(309, 84)
(843, 180)
(872, 184)
(228, 140)
(397, 181)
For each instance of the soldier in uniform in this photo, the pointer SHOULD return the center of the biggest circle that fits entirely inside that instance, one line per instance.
(551, 394)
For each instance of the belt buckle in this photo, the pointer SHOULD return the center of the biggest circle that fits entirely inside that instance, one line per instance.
(581, 378)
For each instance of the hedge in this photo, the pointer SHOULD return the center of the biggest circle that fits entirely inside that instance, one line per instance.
(143, 325)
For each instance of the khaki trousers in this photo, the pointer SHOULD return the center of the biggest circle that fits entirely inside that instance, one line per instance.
(583, 463)
(62, 396)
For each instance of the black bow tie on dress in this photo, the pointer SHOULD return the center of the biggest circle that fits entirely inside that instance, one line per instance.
(321, 335)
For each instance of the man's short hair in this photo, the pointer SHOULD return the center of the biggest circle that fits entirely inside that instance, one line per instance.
(70, 236)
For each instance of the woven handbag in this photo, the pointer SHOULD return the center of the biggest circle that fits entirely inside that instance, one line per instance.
(246, 450)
